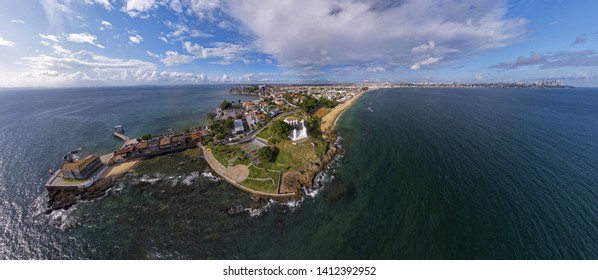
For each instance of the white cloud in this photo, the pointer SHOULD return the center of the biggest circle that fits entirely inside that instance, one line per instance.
(7, 43)
(181, 31)
(135, 39)
(105, 3)
(424, 48)
(105, 25)
(371, 33)
(50, 37)
(478, 77)
(163, 39)
(174, 58)
(227, 52)
(17, 21)
(428, 61)
(139, 7)
(376, 69)
(153, 54)
(83, 38)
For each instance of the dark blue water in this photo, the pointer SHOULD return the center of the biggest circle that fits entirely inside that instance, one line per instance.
(427, 174)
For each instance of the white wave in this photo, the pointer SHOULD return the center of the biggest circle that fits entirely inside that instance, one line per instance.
(63, 219)
(207, 174)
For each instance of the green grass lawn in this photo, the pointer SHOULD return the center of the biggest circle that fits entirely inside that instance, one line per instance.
(291, 156)
(265, 134)
(229, 155)
(263, 185)
(260, 185)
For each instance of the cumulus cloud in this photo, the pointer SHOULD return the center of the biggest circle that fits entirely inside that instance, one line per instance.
(424, 48)
(7, 43)
(139, 7)
(83, 38)
(428, 61)
(180, 31)
(371, 33)
(135, 39)
(105, 25)
(104, 3)
(227, 52)
(174, 58)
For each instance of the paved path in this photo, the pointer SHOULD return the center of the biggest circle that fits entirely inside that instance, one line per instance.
(235, 180)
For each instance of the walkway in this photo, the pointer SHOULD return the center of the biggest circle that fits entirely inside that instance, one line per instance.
(235, 176)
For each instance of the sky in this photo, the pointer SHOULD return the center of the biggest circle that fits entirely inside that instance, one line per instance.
(54, 43)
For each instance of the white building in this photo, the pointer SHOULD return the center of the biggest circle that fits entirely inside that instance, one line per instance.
(299, 130)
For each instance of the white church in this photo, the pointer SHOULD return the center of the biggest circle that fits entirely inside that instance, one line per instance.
(299, 128)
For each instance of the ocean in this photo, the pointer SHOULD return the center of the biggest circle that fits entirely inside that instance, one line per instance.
(425, 174)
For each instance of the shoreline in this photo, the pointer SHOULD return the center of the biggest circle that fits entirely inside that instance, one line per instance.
(329, 120)
(218, 168)
(293, 181)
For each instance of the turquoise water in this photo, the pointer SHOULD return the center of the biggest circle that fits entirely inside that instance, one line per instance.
(427, 174)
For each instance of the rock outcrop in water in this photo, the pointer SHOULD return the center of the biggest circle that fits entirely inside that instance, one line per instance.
(65, 198)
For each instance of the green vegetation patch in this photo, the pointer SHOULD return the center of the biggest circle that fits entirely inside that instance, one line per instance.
(229, 155)
(259, 185)
(176, 163)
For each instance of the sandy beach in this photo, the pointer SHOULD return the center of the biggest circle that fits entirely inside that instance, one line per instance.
(120, 168)
(329, 120)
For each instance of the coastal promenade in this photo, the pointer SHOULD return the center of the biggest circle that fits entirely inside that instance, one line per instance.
(234, 178)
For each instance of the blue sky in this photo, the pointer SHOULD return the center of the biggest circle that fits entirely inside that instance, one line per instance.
(132, 42)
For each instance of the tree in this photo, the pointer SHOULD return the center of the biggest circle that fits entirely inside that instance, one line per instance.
(187, 130)
(220, 128)
(211, 115)
(146, 136)
(225, 105)
(268, 154)
(280, 128)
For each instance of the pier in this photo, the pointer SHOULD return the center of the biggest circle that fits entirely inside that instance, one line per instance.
(123, 137)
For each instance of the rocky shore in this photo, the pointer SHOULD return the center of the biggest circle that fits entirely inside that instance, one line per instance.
(60, 198)
(293, 181)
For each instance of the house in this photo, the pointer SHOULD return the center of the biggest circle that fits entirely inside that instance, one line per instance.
(125, 152)
(81, 169)
(142, 146)
(238, 127)
(196, 136)
(261, 117)
(178, 141)
(274, 112)
(291, 120)
(164, 143)
(251, 119)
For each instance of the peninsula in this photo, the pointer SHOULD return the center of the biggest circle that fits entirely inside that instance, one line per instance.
(281, 140)
(272, 146)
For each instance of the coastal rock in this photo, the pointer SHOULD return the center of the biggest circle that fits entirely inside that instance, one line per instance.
(65, 198)
(292, 181)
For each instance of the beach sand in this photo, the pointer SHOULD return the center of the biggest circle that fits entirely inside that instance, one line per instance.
(329, 120)
(120, 168)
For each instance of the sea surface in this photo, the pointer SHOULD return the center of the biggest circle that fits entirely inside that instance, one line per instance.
(426, 174)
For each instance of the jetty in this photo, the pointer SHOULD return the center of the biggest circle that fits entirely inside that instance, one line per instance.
(123, 137)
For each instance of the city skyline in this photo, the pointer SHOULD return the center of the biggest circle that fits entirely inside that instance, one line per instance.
(139, 42)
